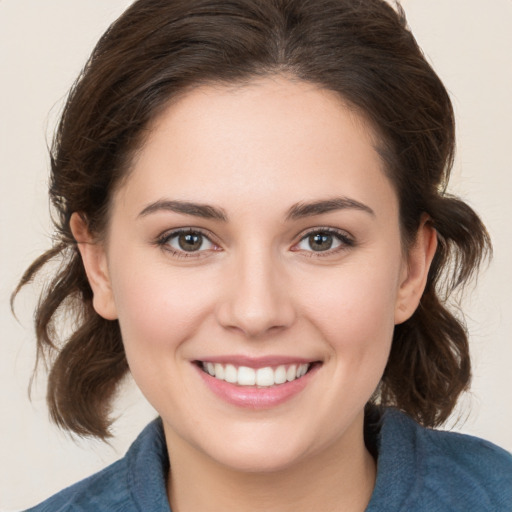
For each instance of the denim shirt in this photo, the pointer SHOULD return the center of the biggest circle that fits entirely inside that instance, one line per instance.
(418, 469)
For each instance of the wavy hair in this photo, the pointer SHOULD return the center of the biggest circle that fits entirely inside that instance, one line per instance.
(158, 49)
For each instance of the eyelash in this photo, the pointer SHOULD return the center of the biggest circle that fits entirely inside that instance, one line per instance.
(164, 239)
(346, 242)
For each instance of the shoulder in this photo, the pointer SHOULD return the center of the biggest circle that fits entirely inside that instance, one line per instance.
(467, 469)
(134, 483)
(480, 459)
(93, 493)
(437, 470)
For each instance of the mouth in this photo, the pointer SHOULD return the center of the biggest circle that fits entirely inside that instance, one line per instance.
(268, 376)
(256, 383)
(256, 374)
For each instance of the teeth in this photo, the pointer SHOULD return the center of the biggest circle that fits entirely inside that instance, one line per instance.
(262, 377)
(230, 374)
(265, 377)
(219, 371)
(280, 375)
(246, 376)
(291, 373)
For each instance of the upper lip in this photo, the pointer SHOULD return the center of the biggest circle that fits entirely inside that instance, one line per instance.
(256, 362)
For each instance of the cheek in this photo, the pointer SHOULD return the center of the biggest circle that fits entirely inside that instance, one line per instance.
(158, 307)
(354, 312)
(159, 312)
(354, 305)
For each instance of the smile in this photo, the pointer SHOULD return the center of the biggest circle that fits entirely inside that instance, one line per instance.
(256, 383)
(261, 377)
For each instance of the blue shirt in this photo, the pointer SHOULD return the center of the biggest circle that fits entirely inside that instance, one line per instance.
(418, 469)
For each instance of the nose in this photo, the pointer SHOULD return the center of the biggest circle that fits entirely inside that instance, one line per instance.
(257, 298)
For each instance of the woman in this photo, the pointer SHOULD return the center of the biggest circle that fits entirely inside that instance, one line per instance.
(252, 222)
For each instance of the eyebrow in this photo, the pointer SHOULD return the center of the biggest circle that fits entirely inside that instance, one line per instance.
(188, 208)
(301, 210)
(297, 211)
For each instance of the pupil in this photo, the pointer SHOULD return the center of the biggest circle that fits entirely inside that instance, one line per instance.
(320, 241)
(190, 241)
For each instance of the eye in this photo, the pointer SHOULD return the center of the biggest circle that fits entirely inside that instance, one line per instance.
(186, 241)
(324, 240)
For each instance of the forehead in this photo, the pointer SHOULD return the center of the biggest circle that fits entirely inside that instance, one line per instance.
(273, 137)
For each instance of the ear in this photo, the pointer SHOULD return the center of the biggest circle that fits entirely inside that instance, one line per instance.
(94, 259)
(415, 271)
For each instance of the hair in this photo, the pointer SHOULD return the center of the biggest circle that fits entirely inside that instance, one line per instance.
(159, 49)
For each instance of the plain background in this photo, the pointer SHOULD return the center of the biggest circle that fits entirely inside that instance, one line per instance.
(43, 45)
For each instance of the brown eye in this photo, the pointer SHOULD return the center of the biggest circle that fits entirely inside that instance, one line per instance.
(190, 241)
(324, 240)
(187, 241)
(320, 241)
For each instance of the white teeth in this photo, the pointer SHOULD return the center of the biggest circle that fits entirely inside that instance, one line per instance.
(291, 373)
(246, 376)
(265, 377)
(230, 374)
(219, 371)
(280, 375)
(262, 377)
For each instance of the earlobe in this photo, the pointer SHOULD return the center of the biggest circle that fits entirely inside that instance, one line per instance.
(94, 260)
(416, 270)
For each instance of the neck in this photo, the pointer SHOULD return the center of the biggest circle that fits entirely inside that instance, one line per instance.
(338, 478)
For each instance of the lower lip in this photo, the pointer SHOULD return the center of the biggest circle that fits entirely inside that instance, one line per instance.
(253, 397)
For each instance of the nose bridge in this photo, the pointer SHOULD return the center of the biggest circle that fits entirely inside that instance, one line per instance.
(258, 299)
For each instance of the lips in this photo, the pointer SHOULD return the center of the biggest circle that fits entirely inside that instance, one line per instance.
(260, 383)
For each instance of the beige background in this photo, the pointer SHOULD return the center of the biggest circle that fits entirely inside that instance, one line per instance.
(44, 43)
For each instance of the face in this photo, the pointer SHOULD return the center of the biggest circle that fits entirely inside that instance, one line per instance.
(254, 261)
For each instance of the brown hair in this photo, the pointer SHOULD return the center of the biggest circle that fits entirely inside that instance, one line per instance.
(158, 49)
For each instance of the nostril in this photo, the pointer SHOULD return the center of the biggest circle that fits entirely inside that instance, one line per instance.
(253, 321)
(255, 301)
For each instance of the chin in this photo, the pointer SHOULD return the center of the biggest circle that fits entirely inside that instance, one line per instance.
(259, 459)
(267, 446)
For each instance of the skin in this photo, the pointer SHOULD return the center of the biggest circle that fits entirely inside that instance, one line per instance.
(257, 288)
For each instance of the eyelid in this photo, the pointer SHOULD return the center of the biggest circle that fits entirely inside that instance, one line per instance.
(346, 240)
(162, 241)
